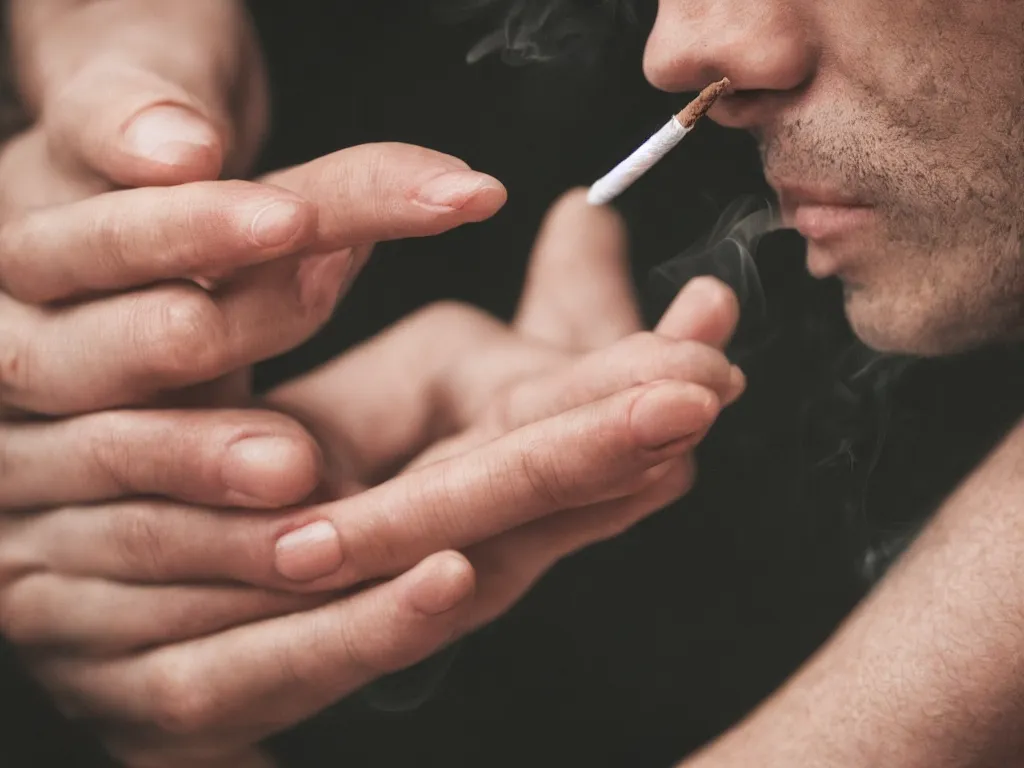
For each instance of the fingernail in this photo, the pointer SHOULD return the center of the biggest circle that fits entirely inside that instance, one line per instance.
(454, 189)
(276, 224)
(670, 412)
(448, 583)
(169, 134)
(252, 461)
(309, 553)
(321, 277)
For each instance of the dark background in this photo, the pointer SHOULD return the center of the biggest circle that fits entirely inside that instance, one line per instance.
(635, 651)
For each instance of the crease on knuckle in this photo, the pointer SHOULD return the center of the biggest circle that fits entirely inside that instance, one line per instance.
(367, 664)
(187, 336)
(182, 705)
(547, 483)
(111, 454)
(110, 240)
(379, 182)
(138, 540)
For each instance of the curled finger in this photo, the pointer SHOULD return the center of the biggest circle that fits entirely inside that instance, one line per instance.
(222, 458)
(274, 673)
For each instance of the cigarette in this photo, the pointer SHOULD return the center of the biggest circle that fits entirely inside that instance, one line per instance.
(622, 176)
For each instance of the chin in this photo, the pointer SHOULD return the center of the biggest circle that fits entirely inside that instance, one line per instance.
(892, 326)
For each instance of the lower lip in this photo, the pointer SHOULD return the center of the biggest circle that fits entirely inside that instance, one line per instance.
(820, 223)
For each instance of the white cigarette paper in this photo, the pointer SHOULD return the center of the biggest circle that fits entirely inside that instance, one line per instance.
(622, 176)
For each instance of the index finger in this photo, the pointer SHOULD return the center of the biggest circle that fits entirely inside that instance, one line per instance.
(372, 193)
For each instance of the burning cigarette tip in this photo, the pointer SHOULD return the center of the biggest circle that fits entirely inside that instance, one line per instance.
(705, 100)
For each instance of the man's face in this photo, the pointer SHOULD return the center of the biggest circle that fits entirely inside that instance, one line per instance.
(892, 131)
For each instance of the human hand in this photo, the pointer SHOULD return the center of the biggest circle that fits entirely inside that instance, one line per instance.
(71, 345)
(487, 380)
(144, 93)
(131, 93)
(606, 451)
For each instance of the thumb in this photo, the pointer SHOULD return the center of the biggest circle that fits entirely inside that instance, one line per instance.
(142, 92)
(579, 293)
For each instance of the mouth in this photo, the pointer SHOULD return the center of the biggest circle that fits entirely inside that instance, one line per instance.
(825, 216)
(820, 214)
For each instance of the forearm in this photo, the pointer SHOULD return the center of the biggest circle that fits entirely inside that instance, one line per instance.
(929, 671)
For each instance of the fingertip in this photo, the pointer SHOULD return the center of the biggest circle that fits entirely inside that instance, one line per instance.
(444, 581)
(705, 310)
(487, 201)
(737, 384)
(271, 470)
(672, 412)
(168, 144)
(473, 195)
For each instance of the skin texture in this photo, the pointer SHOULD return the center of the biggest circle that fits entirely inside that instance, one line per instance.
(176, 579)
(912, 109)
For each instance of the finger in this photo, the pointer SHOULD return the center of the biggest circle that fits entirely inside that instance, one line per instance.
(219, 458)
(138, 91)
(391, 415)
(136, 237)
(279, 671)
(133, 348)
(581, 457)
(98, 617)
(173, 336)
(638, 360)
(579, 292)
(377, 192)
(706, 310)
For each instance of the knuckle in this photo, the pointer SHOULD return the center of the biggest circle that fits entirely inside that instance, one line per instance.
(138, 540)
(182, 705)
(111, 453)
(546, 481)
(186, 338)
(109, 240)
(373, 659)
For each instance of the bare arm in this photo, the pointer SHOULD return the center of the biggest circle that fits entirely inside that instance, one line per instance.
(929, 671)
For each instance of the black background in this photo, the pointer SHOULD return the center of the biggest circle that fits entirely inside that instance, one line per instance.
(635, 651)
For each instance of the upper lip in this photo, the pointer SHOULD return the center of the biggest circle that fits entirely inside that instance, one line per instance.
(794, 194)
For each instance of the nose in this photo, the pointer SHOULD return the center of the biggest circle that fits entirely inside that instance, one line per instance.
(764, 47)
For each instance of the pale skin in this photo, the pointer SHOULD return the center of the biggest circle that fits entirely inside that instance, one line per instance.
(185, 633)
